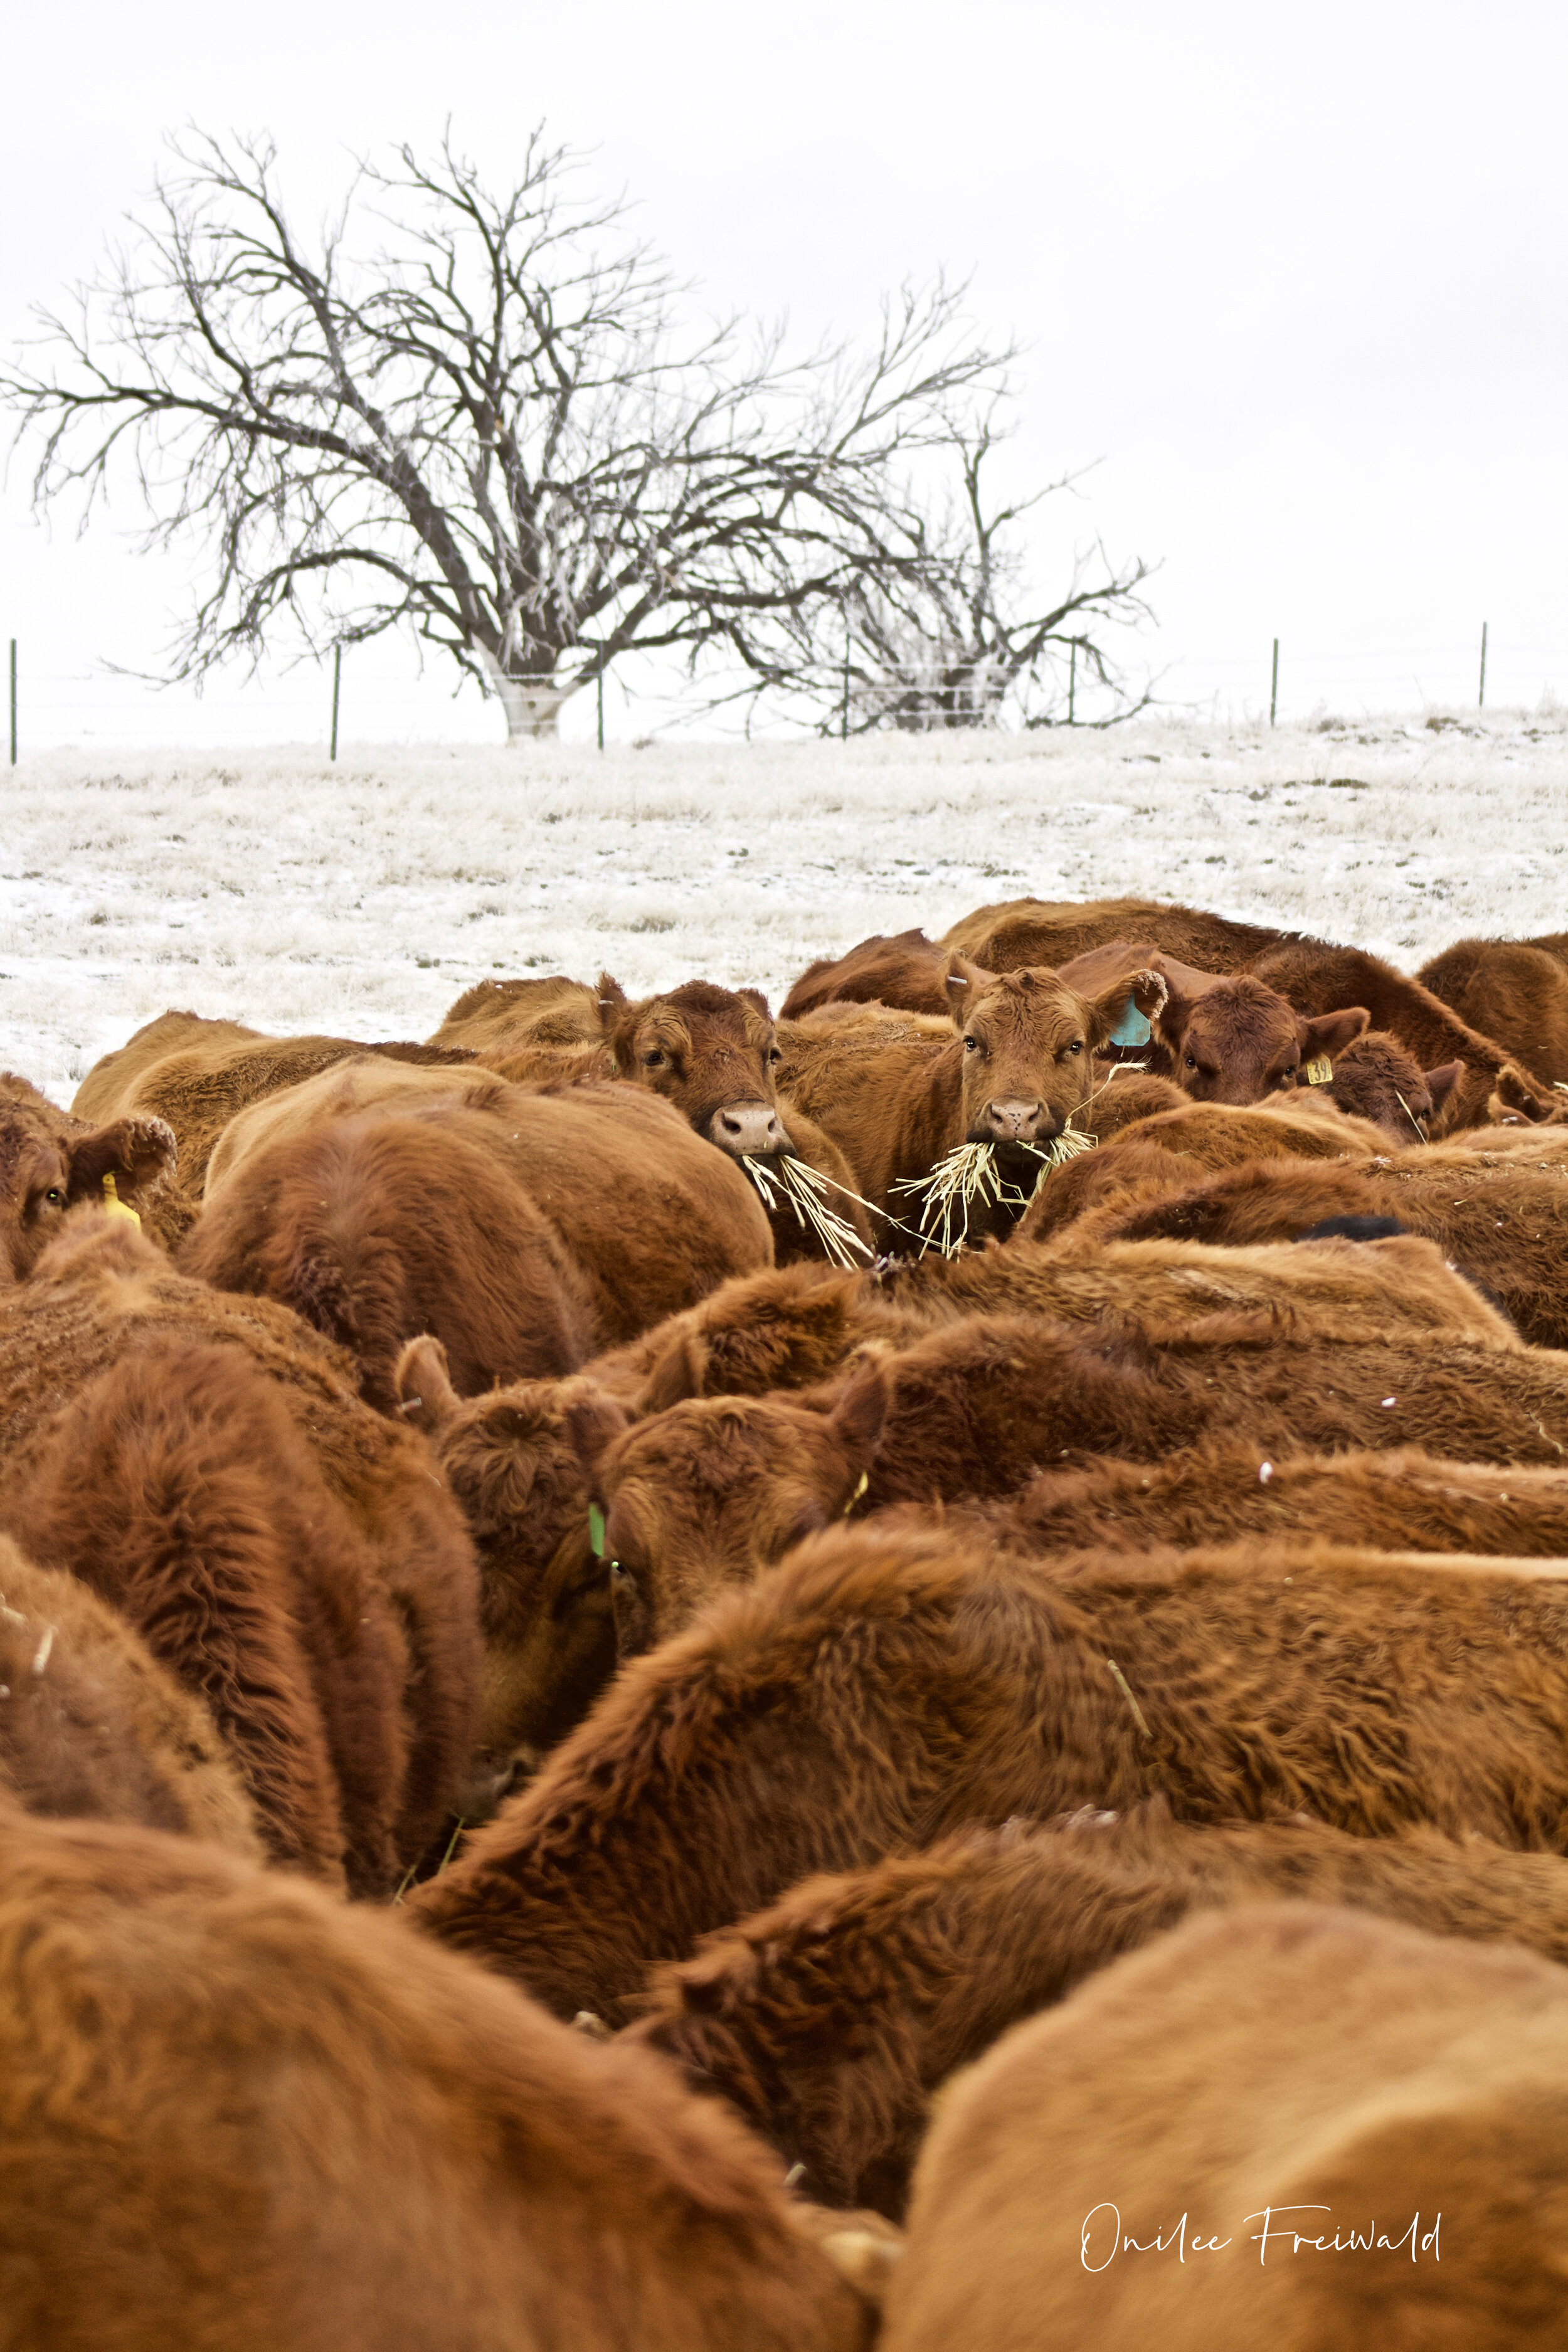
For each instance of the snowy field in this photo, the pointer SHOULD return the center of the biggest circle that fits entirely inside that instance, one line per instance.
(362, 899)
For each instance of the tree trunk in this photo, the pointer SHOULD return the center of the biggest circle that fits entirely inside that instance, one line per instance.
(531, 704)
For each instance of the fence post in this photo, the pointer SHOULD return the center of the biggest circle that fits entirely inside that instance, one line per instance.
(601, 684)
(1274, 685)
(337, 681)
(13, 702)
(1072, 678)
(1482, 697)
(843, 715)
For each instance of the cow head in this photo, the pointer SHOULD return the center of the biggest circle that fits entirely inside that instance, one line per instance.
(544, 1613)
(1236, 1041)
(50, 1162)
(1029, 1043)
(1376, 1079)
(715, 1489)
(710, 1051)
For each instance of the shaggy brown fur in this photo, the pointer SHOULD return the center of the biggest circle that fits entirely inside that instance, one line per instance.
(1312, 975)
(50, 1159)
(197, 1084)
(652, 1220)
(1513, 990)
(177, 1488)
(91, 1723)
(1506, 1226)
(882, 1689)
(1377, 1080)
(709, 1493)
(376, 1227)
(829, 2019)
(101, 1294)
(1019, 1066)
(1516, 1096)
(907, 972)
(1236, 1041)
(505, 1016)
(1228, 1487)
(236, 2113)
(1287, 2068)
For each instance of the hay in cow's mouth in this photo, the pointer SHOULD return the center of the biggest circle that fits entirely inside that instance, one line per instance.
(970, 1173)
(801, 1187)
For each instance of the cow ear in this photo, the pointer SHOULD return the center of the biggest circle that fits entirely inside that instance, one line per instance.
(422, 1383)
(962, 984)
(1144, 993)
(758, 1003)
(136, 1151)
(858, 1419)
(681, 1372)
(593, 1423)
(1331, 1032)
(612, 1002)
(1441, 1084)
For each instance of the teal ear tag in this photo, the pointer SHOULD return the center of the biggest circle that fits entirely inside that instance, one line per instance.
(596, 1530)
(1131, 1029)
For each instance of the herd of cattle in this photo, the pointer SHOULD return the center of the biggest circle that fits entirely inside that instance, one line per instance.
(986, 1798)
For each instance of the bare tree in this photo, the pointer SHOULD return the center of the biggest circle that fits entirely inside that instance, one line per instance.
(488, 428)
(939, 629)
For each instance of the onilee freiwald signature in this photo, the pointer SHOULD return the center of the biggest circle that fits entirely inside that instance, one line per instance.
(1102, 2238)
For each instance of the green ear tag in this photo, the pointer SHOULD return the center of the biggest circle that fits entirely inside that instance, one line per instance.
(596, 1530)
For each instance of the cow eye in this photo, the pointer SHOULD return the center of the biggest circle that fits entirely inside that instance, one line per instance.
(1077, 1046)
(1192, 1061)
(654, 1060)
(972, 1044)
(54, 1197)
(775, 1052)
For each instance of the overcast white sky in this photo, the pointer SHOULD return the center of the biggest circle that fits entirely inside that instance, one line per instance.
(1295, 275)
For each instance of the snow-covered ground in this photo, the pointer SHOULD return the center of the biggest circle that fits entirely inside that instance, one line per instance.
(361, 899)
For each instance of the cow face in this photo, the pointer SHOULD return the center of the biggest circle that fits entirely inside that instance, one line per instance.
(50, 1162)
(1376, 1080)
(1029, 1043)
(518, 1480)
(1239, 1041)
(714, 1490)
(711, 1052)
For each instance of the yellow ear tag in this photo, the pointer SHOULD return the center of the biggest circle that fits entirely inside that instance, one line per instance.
(855, 1498)
(115, 1205)
(1318, 1072)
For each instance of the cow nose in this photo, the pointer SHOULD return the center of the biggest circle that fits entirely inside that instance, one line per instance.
(1010, 1120)
(748, 1128)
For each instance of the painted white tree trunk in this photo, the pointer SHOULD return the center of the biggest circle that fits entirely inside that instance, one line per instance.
(531, 707)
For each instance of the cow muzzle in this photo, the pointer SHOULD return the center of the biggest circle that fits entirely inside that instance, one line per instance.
(1011, 1119)
(748, 1129)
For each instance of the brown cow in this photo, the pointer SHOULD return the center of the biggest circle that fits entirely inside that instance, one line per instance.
(1513, 990)
(194, 1075)
(1313, 975)
(830, 2018)
(908, 973)
(376, 1227)
(1236, 1041)
(650, 1219)
(510, 1016)
(75, 1408)
(1282, 2125)
(50, 1159)
(236, 2113)
(1228, 1489)
(1019, 1068)
(176, 1486)
(884, 1688)
(91, 1723)
(710, 1492)
(1505, 1227)
(1375, 1080)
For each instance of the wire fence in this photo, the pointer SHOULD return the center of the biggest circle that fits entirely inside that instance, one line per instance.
(1279, 684)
